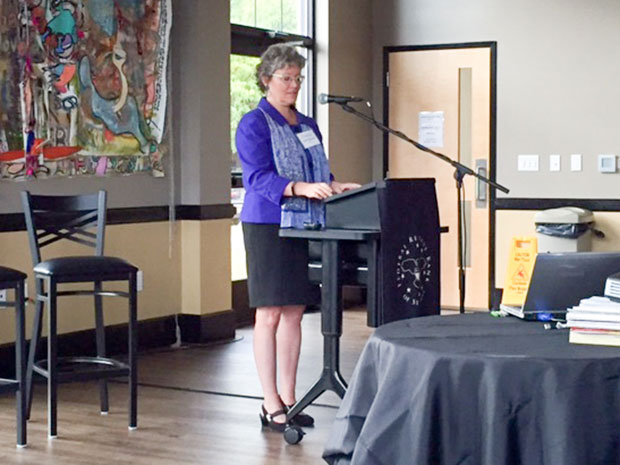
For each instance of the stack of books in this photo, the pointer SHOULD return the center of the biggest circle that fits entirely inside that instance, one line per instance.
(596, 320)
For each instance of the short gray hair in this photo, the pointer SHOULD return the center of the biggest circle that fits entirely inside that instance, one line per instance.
(276, 57)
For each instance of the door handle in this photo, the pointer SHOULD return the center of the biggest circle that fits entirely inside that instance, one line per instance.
(481, 186)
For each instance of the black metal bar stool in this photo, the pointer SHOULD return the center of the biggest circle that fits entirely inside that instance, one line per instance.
(14, 280)
(50, 219)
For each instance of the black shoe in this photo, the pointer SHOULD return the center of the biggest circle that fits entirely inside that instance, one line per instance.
(301, 419)
(267, 421)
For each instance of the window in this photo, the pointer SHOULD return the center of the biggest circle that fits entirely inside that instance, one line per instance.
(255, 25)
(276, 15)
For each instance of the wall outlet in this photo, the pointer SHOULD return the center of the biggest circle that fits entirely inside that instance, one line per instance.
(140, 280)
(527, 162)
(555, 162)
(575, 162)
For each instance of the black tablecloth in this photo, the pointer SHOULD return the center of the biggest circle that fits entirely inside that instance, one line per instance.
(477, 390)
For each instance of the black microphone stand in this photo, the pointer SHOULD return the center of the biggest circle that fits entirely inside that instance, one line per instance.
(459, 173)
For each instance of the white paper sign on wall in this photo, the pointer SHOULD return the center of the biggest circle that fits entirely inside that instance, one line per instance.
(430, 128)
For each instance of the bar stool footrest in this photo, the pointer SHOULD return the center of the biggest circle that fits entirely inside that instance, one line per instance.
(8, 385)
(82, 368)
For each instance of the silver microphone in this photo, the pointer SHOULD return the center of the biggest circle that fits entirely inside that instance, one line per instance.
(326, 98)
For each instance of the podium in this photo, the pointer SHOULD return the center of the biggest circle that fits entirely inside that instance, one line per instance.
(383, 235)
(405, 212)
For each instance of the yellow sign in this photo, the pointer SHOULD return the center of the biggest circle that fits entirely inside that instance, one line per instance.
(520, 265)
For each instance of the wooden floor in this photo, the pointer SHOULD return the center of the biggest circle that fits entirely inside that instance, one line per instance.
(197, 405)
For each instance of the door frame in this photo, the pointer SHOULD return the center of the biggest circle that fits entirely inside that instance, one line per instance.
(493, 297)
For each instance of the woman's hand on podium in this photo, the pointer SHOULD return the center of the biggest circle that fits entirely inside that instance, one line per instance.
(340, 187)
(312, 190)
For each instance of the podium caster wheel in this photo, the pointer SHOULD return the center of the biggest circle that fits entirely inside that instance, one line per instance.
(293, 434)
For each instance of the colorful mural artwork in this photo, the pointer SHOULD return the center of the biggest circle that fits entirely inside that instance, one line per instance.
(83, 87)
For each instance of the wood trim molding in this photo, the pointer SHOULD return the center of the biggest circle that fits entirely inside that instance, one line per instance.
(609, 205)
(10, 222)
(205, 212)
(207, 328)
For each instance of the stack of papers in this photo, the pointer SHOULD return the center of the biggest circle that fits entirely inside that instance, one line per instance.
(596, 320)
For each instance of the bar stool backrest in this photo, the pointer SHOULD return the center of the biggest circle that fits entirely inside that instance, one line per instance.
(77, 218)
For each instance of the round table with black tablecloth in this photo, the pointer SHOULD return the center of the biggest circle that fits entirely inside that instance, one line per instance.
(477, 390)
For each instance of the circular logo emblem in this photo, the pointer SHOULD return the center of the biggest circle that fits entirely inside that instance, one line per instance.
(413, 270)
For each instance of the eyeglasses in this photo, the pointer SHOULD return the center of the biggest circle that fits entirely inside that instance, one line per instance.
(288, 80)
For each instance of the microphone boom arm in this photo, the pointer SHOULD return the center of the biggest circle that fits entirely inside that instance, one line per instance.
(462, 170)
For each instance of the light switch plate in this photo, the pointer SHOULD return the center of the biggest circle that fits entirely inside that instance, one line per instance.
(555, 162)
(575, 162)
(527, 162)
(607, 163)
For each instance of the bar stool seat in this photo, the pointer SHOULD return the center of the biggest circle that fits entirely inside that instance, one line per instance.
(9, 275)
(11, 279)
(85, 268)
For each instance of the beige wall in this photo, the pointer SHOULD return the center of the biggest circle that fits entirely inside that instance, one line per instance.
(206, 267)
(344, 67)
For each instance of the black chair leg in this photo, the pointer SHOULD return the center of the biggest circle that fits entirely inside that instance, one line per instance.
(32, 354)
(52, 362)
(101, 349)
(20, 364)
(133, 352)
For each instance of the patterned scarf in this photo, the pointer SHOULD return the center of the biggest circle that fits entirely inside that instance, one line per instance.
(298, 164)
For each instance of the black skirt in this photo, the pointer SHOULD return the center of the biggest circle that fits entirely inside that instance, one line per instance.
(277, 268)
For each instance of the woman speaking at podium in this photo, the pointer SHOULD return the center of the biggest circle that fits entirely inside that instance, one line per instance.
(286, 176)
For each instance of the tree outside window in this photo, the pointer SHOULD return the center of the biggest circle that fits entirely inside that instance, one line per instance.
(244, 96)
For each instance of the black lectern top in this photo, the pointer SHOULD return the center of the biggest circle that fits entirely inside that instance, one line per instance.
(354, 209)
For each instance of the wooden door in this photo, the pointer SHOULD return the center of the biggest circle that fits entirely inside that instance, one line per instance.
(449, 92)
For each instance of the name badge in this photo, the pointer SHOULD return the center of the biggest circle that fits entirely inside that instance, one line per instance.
(308, 138)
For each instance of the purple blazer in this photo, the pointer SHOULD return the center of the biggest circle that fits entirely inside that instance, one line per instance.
(264, 188)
